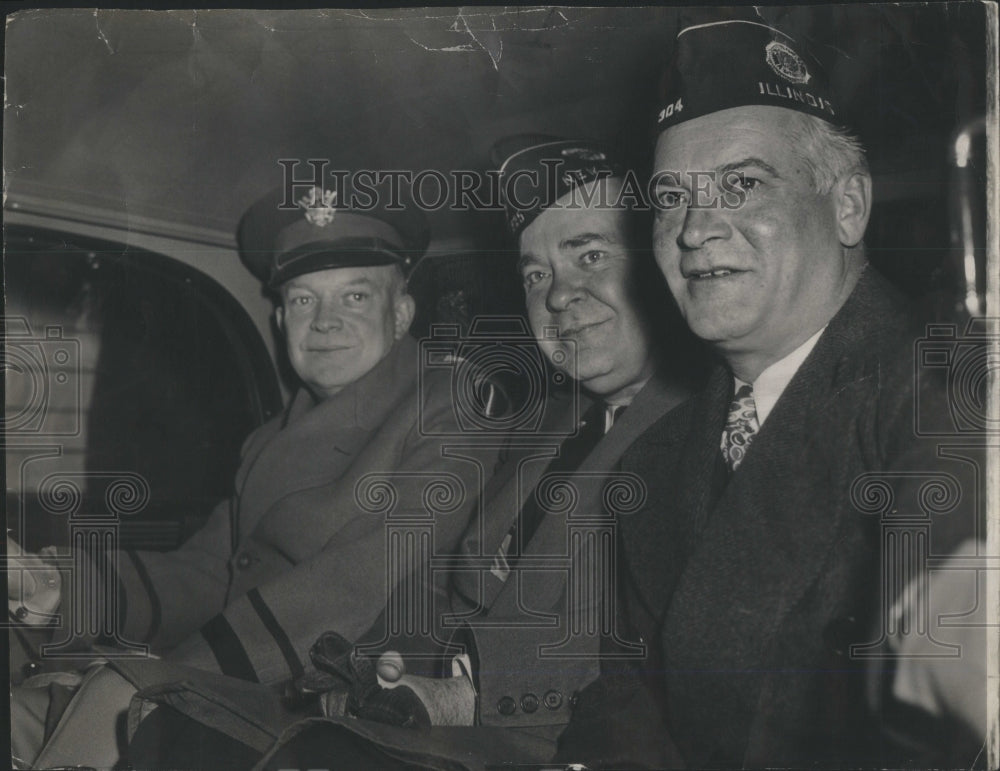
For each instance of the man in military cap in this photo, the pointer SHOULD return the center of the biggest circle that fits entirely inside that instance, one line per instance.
(293, 552)
(754, 570)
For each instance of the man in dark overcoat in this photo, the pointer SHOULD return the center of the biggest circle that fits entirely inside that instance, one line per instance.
(792, 507)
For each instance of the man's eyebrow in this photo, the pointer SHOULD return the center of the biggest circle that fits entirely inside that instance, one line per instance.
(524, 260)
(751, 161)
(575, 242)
(359, 280)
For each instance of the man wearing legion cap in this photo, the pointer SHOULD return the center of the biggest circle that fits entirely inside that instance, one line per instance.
(755, 570)
(595, 304)
(294, 551)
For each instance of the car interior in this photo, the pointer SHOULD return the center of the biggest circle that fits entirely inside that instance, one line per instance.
(136, 341)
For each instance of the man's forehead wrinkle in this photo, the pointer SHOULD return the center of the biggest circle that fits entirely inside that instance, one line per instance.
(707, 137)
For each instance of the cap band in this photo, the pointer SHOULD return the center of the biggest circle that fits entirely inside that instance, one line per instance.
(533, 178)
(345, 224)
(344, 253)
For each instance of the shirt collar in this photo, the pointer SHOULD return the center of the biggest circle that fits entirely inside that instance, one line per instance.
(771, 383)
(611, 413)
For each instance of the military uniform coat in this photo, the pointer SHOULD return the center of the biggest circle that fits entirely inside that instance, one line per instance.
(293, 552)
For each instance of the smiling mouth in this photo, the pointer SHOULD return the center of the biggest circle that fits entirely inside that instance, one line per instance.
(577, 331)
(327, 349)
(709, 274)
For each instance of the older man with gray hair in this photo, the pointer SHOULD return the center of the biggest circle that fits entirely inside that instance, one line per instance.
(787, 510)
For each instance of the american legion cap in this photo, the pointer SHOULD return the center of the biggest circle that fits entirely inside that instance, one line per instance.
(536, 170)
(303, 229)
(737, 62)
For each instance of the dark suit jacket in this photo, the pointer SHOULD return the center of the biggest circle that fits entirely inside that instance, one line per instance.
(527, 664)
(750, 592)
(523, 643)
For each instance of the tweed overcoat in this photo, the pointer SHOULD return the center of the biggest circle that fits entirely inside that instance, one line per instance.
(751, 590)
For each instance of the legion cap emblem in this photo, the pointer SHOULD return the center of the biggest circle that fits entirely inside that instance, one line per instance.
(786, 63)
(319, 206)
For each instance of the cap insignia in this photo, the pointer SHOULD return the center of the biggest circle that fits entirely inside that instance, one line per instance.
(319, 206)
(786, 63)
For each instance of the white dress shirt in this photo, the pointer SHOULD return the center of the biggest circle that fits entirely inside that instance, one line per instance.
(771, 383)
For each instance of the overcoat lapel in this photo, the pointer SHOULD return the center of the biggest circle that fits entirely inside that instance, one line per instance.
(504, 496)
(318, 442)
(505, 493)
(676, 460)
(544, 587)
(761, 548)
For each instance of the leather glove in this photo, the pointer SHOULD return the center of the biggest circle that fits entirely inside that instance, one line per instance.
(340, 670)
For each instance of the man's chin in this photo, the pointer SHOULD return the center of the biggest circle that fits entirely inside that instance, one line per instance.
(323, 387)
(718, 332)
(601, 382)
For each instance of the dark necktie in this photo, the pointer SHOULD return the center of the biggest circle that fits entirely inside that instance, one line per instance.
(572, 453)
(741, 427)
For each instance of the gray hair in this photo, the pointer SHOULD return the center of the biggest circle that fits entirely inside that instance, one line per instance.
(829, 152)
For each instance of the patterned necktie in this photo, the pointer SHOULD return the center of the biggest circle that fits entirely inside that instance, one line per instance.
(741, 427)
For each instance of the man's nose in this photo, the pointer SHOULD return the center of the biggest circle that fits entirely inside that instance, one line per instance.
(566, 288)
(326, 317)
(703, 224)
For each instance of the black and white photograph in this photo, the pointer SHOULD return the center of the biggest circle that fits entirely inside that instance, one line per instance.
(502, 387)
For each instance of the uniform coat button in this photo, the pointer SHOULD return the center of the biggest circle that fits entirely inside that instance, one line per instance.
(529, 702)
(506, 706)
(552, 700)
(243, 561)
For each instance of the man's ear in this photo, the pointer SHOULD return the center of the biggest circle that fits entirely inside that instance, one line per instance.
(404, 309)
(279, 318)
(854, 206)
